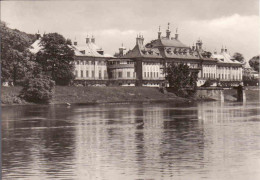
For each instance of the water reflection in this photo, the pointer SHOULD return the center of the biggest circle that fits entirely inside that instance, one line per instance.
(211, 140)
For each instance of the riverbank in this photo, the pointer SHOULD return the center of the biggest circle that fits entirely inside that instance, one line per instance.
(97, 95)
(94, 95)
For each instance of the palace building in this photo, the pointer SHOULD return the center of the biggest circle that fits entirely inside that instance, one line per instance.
(145, 64)
(149, 62)
(90, 63)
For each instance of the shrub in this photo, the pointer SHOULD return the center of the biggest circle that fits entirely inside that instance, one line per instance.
(207, 83)
(38, 89)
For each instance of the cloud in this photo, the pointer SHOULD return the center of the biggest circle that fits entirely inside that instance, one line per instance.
(238, 33)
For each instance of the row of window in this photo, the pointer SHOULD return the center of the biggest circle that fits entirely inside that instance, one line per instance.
(150, 63)
(220, 76)
(90, 74)
(120, 62)
(151, 74)
(229, 68)
(209, 75)
(120, 74)
(90, 63)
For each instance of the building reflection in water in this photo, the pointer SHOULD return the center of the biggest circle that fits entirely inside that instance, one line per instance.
(138, 141)
(35, 139)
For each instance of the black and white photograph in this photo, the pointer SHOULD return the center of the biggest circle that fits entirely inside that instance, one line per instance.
(130, 89)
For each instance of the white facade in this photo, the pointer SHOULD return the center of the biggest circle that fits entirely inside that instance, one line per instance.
(152, 71)
(90, 69)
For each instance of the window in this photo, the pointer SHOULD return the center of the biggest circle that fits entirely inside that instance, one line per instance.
(120, 74)
(99, 74)
(105, 74)
(133, 74)
(151, 74)
(93, 62)
(81, 73)
(86, 73)
(144, 74)
(76, 73)
(157, 74)
(93, 74)
(128, 74)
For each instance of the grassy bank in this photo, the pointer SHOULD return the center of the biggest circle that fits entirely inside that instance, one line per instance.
(87, 95)
(66, 94)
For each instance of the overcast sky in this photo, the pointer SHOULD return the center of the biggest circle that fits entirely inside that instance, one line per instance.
(231, 23)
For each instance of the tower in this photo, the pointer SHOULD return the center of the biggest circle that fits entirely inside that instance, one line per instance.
(159, 33)
(168, 32)
(176, 34)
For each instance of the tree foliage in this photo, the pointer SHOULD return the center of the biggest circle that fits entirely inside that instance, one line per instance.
(239, 57)
(16, 60)
(56, 58)
(180, 76)
(254, 63)
(38, 89)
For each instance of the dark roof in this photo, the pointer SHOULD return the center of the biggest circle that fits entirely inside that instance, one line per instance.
(164, 42)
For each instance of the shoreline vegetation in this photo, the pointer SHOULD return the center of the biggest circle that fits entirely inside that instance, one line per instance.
(102, 95)
(93, 95)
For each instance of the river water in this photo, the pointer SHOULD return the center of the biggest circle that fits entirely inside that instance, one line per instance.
(205, 140)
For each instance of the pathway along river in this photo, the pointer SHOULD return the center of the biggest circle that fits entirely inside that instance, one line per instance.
(205, 140)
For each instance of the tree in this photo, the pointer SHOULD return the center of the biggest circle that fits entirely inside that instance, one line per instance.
(38, 89)
(56, 58)
(15, 57)
(254, 63)
(180, 76)
(239, 57)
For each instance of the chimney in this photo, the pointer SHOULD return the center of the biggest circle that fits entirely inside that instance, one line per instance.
(121, 50)
(75, 43)
(176, 34)
(93, 39)
(222, 49)
(159, 33)
(87, 40)
(142, 39)
(193, 47)
(168, 32)
(139, 40)
(226, 49)
(199, 45)
(38, 35)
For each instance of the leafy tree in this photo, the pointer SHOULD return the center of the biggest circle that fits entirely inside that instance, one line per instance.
(15, 58)
(180, 76)
(239, 57)
(38, 89)
(56, 58)
(254, 63)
